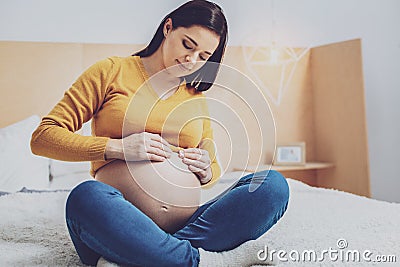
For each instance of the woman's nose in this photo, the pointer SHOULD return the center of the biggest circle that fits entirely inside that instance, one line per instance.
(191, 59)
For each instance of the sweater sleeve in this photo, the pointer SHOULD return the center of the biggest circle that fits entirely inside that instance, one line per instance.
(208, 144)
(55, 137)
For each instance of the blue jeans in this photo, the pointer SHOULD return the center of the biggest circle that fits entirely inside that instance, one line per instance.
(102, 223)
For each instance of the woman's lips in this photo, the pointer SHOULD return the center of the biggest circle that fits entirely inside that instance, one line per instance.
(182, 66)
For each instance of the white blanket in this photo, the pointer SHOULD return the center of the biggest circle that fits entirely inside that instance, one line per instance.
(33, 231)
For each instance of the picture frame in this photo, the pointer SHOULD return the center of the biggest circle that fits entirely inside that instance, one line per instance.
(290, 154)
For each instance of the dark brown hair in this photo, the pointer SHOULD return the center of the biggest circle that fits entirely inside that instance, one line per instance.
(201, 13)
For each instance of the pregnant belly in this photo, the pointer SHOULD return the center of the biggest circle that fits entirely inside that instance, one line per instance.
(167, 192)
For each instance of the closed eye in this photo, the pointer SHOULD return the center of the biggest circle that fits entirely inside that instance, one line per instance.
(186, 45)
(190, 48)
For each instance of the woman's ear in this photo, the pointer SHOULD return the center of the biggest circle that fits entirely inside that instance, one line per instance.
(167, 26)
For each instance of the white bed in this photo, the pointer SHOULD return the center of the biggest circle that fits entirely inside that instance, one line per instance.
(33, 232)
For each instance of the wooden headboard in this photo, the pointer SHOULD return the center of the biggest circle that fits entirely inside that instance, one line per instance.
(34, 76)
(327, 84)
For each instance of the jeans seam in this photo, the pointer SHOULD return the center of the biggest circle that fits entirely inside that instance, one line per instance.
(82, 229)
(275, 219)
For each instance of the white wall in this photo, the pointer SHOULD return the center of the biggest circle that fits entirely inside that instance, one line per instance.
(85, 21)
(296, 22)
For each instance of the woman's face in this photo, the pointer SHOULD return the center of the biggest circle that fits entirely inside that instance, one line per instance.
(187, 49)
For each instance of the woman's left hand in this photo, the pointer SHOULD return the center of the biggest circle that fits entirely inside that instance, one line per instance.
(198, 162)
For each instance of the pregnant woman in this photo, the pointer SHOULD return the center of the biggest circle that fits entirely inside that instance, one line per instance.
(152, 152)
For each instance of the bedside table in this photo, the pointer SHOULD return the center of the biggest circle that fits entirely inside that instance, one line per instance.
(305, 173)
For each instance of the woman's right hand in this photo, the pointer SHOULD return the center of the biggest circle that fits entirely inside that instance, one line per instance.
(137, 147)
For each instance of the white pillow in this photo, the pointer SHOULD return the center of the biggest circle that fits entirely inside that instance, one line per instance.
(18, 166)
(61, 168)
(69, 181)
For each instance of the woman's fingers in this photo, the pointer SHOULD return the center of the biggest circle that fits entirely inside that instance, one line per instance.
(157, 148)
(160, 146)
(158, 152)
(155, 157)
(199, 151)
(194, 150)
(194, 156)
(146, 146)
(163, 143)
(197, 154)
(198, 161)
(202, 172)
(195, 163)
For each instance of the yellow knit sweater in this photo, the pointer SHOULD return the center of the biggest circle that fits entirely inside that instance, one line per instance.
(115, 95)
